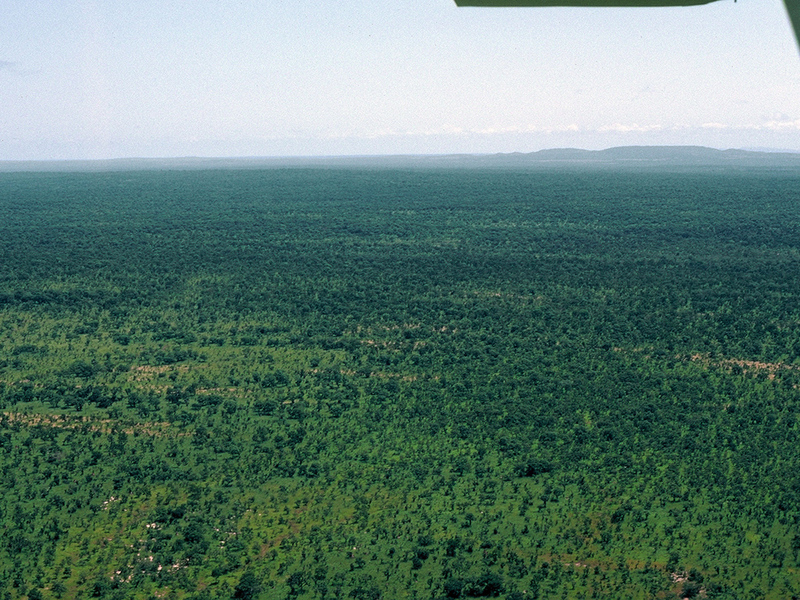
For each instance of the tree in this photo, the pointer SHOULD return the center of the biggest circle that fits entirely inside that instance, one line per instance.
(249, 587)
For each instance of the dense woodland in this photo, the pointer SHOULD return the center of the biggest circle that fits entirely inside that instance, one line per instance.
(320, 383)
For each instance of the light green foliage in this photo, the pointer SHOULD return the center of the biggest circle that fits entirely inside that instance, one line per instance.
(328, 383)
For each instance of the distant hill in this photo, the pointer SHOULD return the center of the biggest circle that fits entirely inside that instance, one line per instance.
(636, 156)
(656, 155)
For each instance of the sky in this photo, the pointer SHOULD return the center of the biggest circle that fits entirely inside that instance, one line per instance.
(95, 79)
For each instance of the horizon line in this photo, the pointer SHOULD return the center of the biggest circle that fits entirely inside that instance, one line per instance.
(754, 150)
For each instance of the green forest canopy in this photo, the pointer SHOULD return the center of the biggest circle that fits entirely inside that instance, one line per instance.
(400, 383)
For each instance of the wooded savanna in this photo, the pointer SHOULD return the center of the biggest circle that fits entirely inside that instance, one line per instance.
(379, 383)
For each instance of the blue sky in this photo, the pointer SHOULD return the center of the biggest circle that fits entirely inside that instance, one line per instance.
(102, 79)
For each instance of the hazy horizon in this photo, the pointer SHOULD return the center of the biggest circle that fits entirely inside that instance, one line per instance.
(398, 155)
(91, 79)
(647, 157)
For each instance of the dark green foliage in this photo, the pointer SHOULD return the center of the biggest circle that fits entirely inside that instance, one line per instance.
(487, 585)
(248, 587)
(430, 383)
(80, 369)
(532, 467)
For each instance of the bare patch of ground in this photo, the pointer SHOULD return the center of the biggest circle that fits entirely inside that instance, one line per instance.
(75, 421)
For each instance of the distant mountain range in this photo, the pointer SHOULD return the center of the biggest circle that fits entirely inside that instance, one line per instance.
(679, 155)
(632, 156)
(638, 157)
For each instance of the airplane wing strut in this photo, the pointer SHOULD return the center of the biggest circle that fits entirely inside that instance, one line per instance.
(792, 6)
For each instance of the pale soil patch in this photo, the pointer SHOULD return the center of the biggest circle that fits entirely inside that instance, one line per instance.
(386, 345)
(155, 428)
(678, 577)
(746, 365)
(145, 372)
(488, 294)
(381, 375)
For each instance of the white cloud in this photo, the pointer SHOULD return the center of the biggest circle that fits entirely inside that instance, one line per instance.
(782, 125)
(633, 127)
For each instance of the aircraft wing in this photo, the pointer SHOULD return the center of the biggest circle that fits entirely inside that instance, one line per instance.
(792, 6)
(581, 2)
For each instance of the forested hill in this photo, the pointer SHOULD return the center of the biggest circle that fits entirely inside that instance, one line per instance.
(659, 157)
(633, 157)
(314, 383)
(667, 155)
